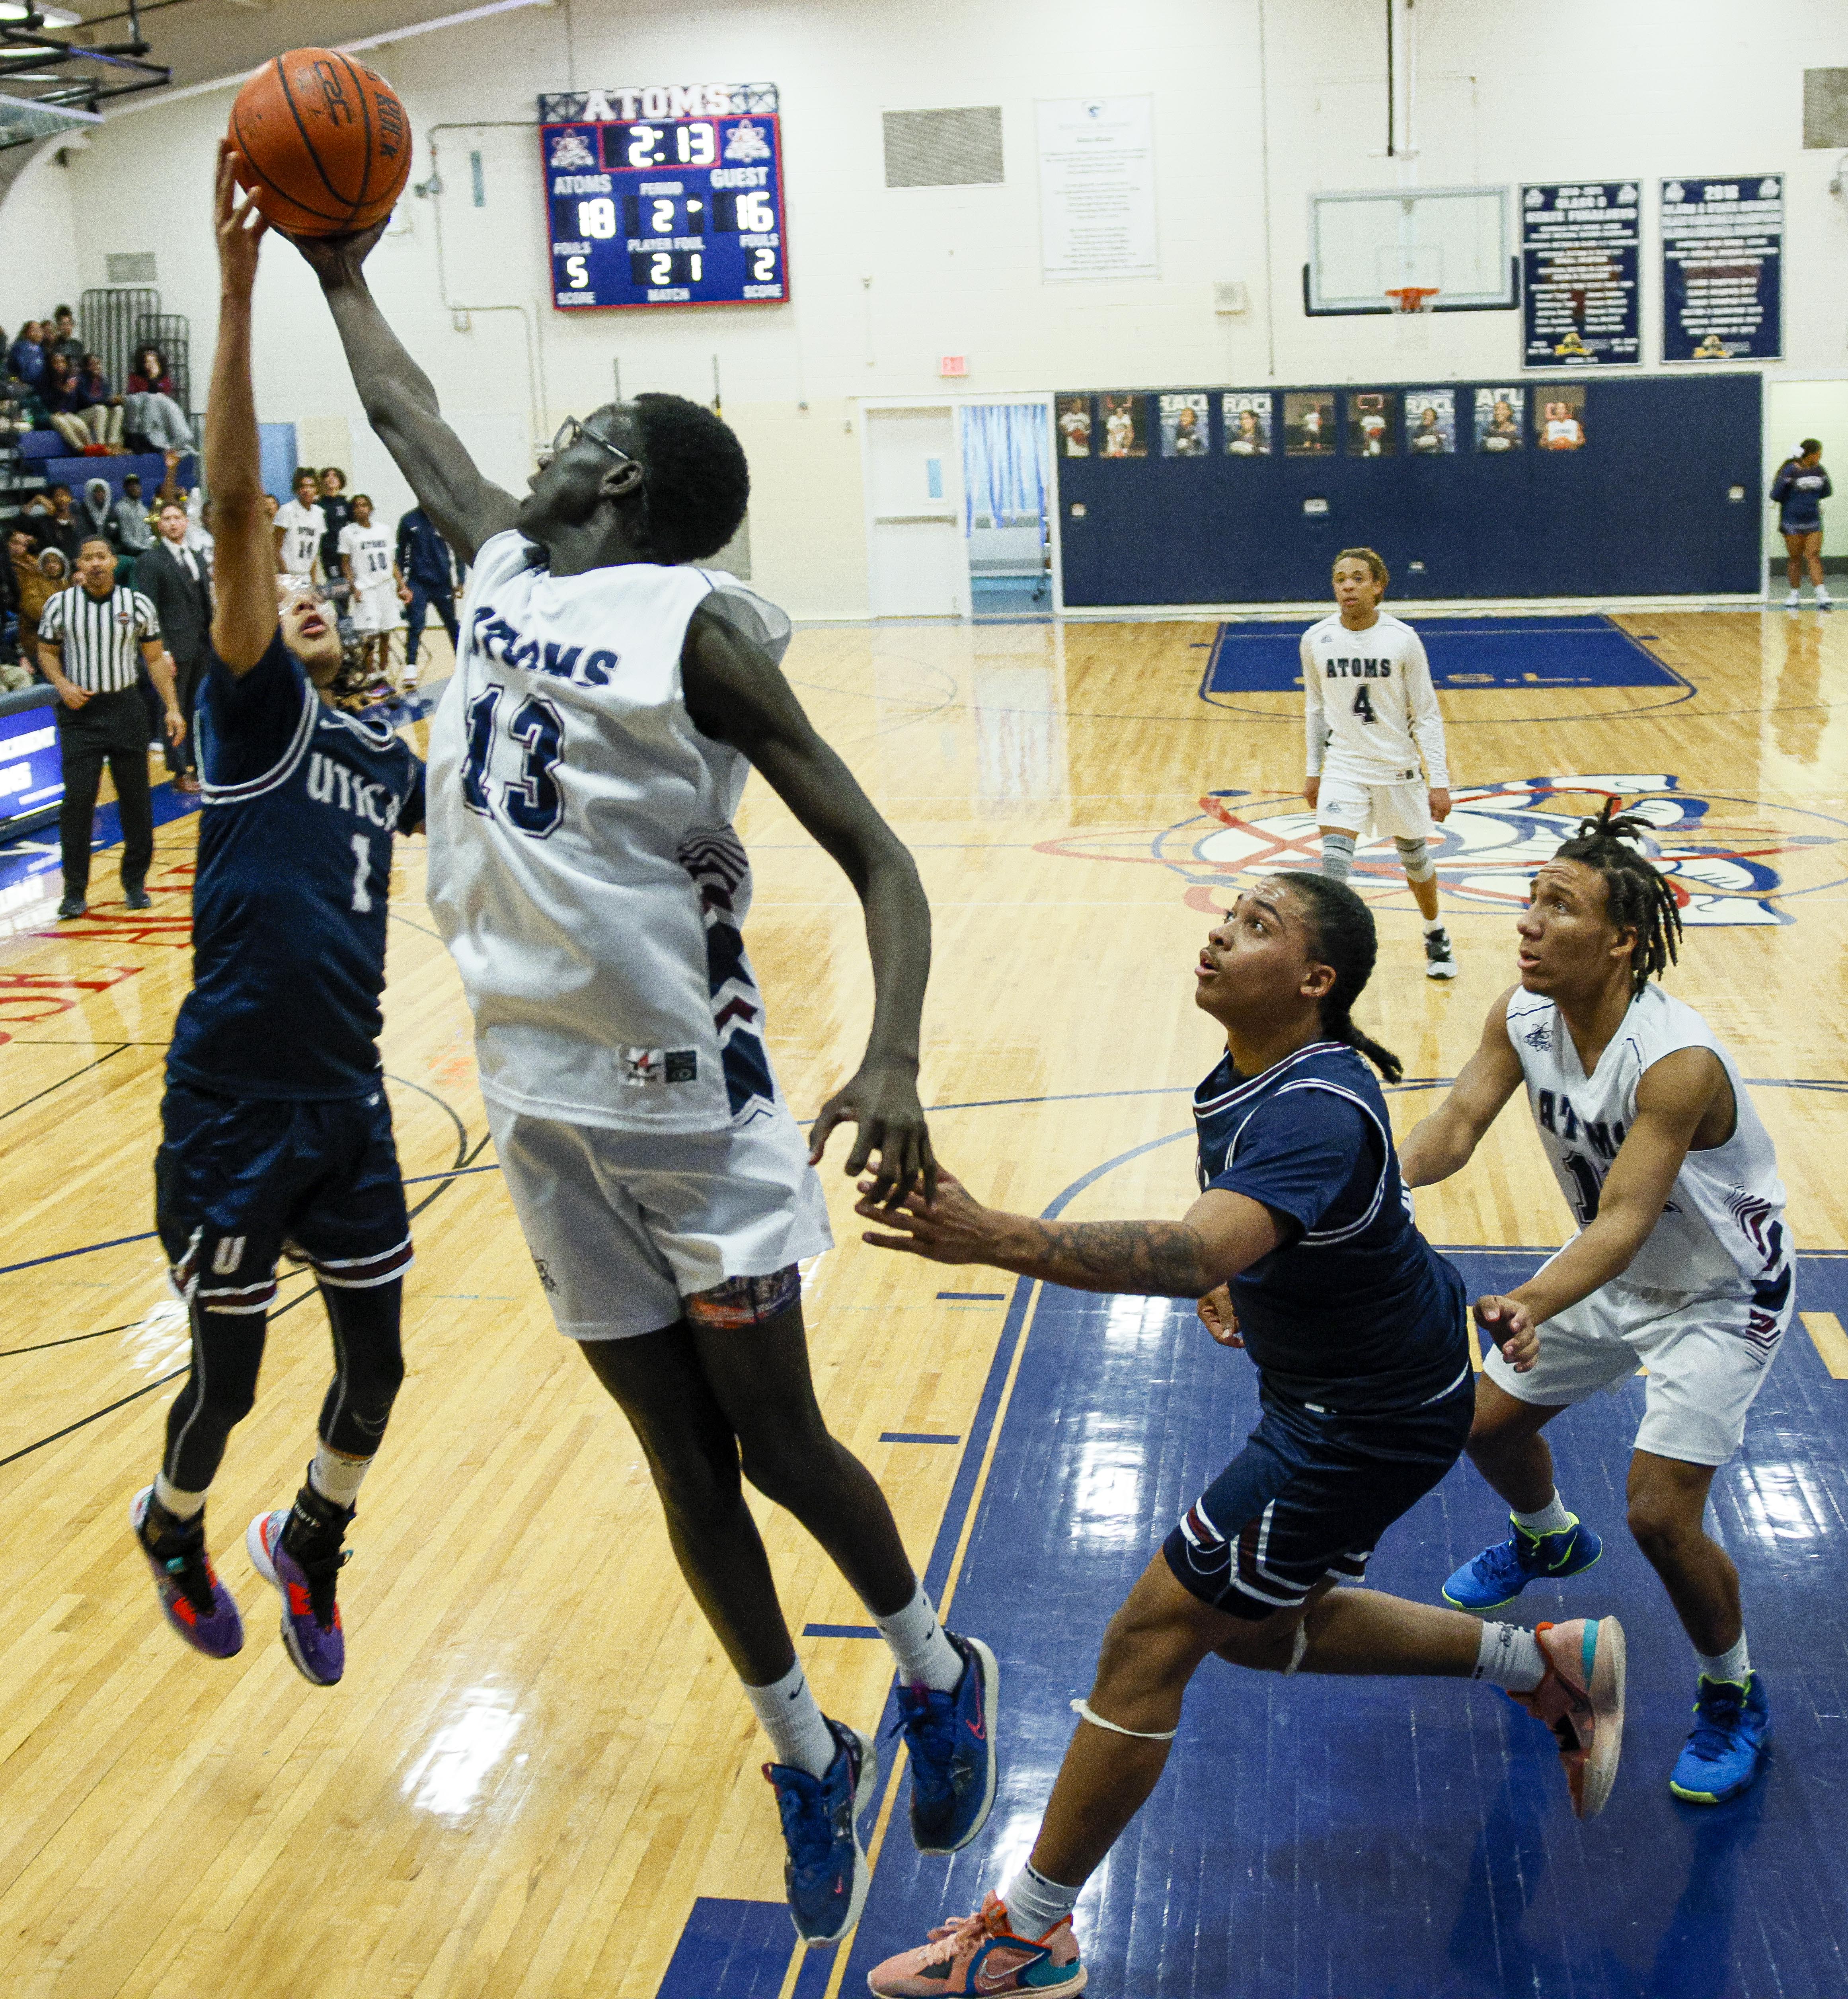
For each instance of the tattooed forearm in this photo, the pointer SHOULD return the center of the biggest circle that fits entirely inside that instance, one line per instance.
(1166, 1259)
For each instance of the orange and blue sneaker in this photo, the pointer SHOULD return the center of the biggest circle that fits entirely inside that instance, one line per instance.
(826, 1875)
(298, 1551)
(1581, 1699)
(1500, 1574)
(951, 1739)
(1732, 1724)
(980, 1955)
(193, 1599)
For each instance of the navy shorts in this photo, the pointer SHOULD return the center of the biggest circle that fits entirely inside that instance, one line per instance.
(1309, 1497)
(240, 1180)
(1800, 527)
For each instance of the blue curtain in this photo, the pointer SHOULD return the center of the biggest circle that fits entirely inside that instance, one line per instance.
(1004, 463)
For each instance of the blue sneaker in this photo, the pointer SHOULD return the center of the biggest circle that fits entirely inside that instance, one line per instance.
(825, 1876)
(1732, 1724)
(1498, 1574)
(951, 1738)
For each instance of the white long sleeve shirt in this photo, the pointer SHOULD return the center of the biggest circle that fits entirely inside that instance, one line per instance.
(1370, 711)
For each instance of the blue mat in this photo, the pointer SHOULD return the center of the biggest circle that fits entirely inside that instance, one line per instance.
(1527, 652)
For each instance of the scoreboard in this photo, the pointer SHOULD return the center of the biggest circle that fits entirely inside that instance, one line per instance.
(666, 196)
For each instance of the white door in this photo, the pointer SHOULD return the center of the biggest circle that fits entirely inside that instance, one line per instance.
(919, 569)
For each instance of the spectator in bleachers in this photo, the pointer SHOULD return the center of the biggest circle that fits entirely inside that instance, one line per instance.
(132, 535)
(25, 358)
(102, 406)
(58, 527)
(93, 517)
(61, 338)
(38, 576)
(18, 641)
(63, 403)
(152, 418)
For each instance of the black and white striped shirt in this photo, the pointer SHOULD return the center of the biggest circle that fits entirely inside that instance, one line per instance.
(102, 635)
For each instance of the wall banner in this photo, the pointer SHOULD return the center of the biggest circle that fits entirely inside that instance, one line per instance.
(1722, 267)
(1580, 259)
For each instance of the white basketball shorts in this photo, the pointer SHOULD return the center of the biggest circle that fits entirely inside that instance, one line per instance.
(377, 609)
(622, 1225)
(1394, 812)
(1705, 1360)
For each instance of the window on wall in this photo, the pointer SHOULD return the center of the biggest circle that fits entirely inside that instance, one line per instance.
(952, 148)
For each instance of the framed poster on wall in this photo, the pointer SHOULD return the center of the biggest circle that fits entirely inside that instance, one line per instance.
(1372, 422)
(1125, 433)
(1071, 416)
(1184, 426)
(1498, 415)
(1248, 417)
(1580, 258)
(1559, 416)
(1722, 269)
(1309, 423)
(1430, 422)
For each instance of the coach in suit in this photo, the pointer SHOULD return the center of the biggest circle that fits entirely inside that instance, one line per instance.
(174, 580)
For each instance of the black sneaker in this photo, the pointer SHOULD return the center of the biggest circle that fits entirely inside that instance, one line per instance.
(1439, 962)
(137, 898)
(72, 905)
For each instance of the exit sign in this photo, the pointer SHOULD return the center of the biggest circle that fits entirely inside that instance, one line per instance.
(954, 363)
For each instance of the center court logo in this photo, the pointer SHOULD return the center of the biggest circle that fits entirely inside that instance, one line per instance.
(1732, 861)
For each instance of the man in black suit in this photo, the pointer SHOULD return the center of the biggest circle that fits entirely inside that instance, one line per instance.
(174, 577)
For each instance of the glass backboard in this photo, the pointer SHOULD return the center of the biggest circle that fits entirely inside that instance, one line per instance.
(1361, 246)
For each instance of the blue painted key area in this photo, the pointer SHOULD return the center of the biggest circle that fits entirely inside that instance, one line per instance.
(1515, 653)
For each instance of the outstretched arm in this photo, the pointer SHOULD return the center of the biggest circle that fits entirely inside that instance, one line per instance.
(244, 618)
(1442, 1143)
(401, 402)
(736, 694)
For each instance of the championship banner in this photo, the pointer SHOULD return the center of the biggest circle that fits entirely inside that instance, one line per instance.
(1722, 258)
(1579, 261)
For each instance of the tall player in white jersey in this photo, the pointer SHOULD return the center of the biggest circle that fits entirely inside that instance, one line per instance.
(1370, 716)
(607, 707)
(1681, 1264)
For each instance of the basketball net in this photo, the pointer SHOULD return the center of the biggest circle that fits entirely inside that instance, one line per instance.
(1411, 311)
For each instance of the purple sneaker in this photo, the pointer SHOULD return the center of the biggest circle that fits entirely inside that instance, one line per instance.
(193, 1599)
(298, 1549)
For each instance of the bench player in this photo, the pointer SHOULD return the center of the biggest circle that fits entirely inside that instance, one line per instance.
(1681, 1262)
(276, 1130)
(609, 704)
(1372, 717)
(366, 561)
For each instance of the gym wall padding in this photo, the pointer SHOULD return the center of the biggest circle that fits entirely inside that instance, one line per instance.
(1643, 509)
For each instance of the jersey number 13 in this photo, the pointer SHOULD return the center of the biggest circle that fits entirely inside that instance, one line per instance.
(530, 801)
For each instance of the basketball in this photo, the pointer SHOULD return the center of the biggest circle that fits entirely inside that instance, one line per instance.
(325, 143)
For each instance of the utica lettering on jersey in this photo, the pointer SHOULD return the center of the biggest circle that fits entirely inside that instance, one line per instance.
(1358, 670)
(495, 636)
(331, 783)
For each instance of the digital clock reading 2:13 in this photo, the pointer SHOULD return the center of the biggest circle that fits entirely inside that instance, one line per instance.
(666, 211)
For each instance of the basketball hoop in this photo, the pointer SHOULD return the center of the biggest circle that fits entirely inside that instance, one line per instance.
(1412, 298)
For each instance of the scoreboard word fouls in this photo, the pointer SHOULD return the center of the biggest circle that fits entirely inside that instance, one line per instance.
(670, 195)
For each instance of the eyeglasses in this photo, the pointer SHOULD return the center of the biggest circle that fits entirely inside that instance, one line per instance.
(569, 433)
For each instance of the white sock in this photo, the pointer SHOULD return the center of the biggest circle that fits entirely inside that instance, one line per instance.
(1551, 1519)
(1433, 925)
(1035, 1904)
(186, 1505)
(1511, 1658)
(925, 1656)
(337, 1478)
(793, 1722)
(1735, 1665)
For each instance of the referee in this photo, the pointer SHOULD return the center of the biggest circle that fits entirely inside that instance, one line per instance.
(92, 640)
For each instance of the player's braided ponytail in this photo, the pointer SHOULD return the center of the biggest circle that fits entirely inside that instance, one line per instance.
(1346, 940)
(1637, 894)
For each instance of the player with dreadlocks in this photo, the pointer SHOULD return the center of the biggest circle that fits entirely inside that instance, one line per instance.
(1681, 1261)
(1301, 1250)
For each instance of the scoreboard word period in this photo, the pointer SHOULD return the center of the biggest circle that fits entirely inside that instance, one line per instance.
(670, 195)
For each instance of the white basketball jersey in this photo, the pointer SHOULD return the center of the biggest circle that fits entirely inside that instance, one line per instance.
(1723, 1231)
(1370, 710)
(584, 868)
(303, 528)
(370, 550)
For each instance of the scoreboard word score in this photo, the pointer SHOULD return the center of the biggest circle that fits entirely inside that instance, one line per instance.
(670, 195)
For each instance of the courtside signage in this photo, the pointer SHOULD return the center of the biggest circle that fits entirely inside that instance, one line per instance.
(664, 194)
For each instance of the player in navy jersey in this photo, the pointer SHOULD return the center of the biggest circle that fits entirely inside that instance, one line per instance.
(1301, 1248)
(276, 1135)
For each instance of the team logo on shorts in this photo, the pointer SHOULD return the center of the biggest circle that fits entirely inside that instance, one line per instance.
(1732, 861)
(546, 1279)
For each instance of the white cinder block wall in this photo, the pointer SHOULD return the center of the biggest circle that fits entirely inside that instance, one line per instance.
(885, 282)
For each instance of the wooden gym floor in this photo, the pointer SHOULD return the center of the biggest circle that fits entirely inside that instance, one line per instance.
(539, 1777)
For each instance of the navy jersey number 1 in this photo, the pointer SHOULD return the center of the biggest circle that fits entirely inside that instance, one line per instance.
(531, 802)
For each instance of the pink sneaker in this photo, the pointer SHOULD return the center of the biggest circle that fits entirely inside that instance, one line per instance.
(1581, 1700)
(980, 1955)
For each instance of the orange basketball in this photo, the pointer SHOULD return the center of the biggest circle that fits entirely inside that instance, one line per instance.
(325, 143)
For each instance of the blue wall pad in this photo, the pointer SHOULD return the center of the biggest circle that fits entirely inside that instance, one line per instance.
(1378, 1839)
(730, 1950)
(1516, 652)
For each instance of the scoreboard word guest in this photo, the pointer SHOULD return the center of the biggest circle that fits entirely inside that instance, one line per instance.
(667, 195)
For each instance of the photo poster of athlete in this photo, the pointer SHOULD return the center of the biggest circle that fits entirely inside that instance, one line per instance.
(1072, 419)
(1184, 426)
(1372, 422)
(1246, 418)
(1430, 421)
(1308, 423)
(1125, 434)
(1559, 416)
(1498, 418)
